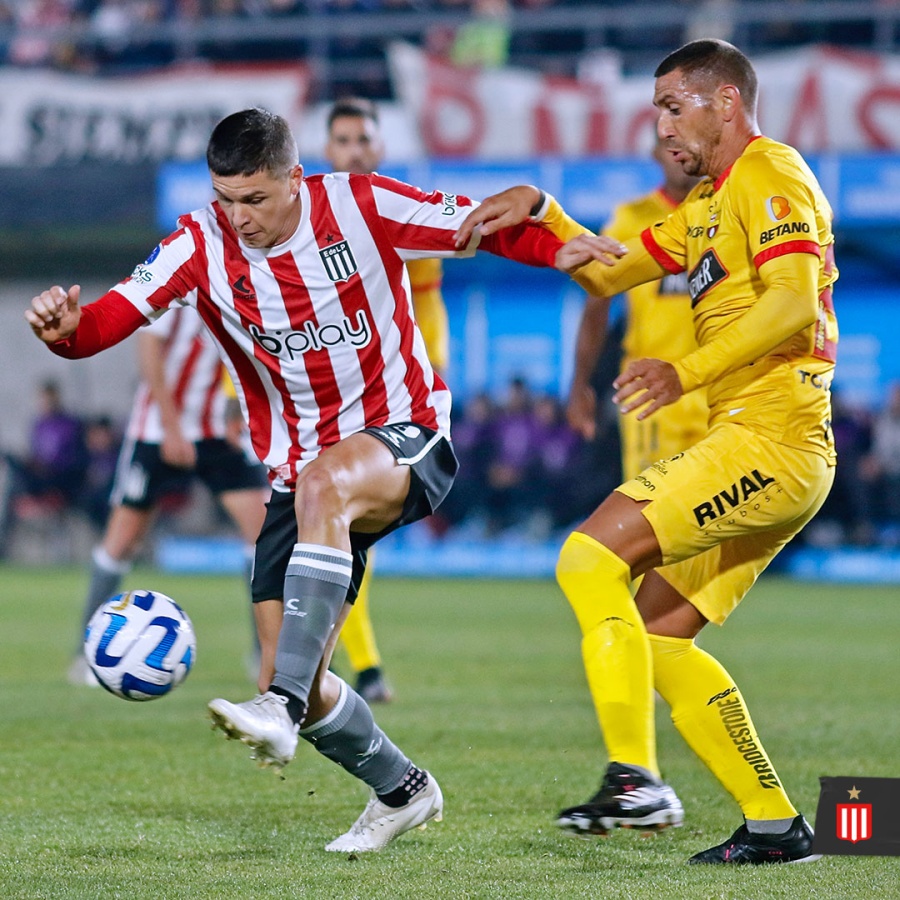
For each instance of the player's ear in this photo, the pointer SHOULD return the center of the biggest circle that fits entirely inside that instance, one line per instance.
(296, 177)
(729, 101)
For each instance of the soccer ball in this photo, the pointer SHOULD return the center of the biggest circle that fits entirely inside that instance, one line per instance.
(140, 645)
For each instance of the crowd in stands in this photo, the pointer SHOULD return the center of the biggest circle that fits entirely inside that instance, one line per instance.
(114, 36)
(523, 471)
(69, 465)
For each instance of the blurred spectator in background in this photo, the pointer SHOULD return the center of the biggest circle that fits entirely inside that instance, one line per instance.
(483, 42)
(880, 470)
(51, 474)
(510, 496)
(57, 456)
(556, 450)
(845, 514)
(473, 443)
(102, 443)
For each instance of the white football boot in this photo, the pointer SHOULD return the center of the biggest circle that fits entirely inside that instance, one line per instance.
(81, 674)
(379, 824)
(263, 724)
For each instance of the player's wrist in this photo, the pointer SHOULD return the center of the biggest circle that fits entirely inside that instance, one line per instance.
(539, 209)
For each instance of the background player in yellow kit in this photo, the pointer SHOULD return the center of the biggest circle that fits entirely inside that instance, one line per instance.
(755, 239)
(658, 324)
(355, 145)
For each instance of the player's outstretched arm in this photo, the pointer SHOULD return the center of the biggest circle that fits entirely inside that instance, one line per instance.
(509, 207)
(54, 314)
(586, 248)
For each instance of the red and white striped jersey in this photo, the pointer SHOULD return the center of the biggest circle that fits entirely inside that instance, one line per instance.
(318, 332)
(193, 372)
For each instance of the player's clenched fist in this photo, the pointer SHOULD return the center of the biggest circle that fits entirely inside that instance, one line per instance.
(54, 314)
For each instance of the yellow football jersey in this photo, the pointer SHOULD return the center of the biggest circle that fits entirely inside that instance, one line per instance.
(658, 325)
(425, 277)
(766, 206)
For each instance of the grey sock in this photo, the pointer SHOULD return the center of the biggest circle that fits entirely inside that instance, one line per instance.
(349, 736)
(106, 576)
(315, 586)
(768, 826)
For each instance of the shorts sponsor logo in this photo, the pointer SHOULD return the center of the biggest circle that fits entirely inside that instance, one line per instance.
(705, 275)
(781, 230)
(738, 493)
(310, 336)
(737, 724)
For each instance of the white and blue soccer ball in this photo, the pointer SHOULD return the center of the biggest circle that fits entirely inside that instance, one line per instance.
(140, 645)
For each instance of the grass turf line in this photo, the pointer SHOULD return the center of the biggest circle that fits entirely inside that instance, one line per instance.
(104, 798)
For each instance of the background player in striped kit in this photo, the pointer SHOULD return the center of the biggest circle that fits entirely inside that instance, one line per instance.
(302, 284)
(355, 144)
(176, 434)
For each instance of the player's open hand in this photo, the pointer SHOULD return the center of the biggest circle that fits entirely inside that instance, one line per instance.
(498, 211)
(648, 385)
(54, 314)
(587, 247)
(581, 411)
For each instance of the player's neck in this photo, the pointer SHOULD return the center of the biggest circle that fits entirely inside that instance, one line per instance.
(732, 146)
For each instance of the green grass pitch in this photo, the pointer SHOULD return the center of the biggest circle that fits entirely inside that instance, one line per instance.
(103, 798)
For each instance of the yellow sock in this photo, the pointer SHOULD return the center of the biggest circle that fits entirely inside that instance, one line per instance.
(614, 647)
(357, 635)
(710, 713)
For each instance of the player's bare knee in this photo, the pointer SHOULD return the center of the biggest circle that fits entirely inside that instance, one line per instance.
(320, 493)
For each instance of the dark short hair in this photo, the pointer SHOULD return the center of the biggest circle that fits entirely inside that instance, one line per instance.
(355, 107)
(250, 141)
(715, 61)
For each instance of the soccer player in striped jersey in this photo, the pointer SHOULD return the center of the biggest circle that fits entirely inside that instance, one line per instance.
(176, 433)
(658, 325)
(302, 284)
(755, 239)
(355, 144)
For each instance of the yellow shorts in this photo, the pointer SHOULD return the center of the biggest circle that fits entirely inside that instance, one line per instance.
(723, 509)
(669, 431)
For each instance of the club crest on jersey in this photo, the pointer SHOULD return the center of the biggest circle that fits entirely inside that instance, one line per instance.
(339, 262)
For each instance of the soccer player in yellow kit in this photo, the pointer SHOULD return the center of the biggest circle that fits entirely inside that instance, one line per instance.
(355, 145)
(755, 240)
(657, 324)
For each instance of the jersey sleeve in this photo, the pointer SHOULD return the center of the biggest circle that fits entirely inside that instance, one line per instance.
(420, 224)
(556, 220)
(665, 242)
(103, 323)
(777, 203)
(168, 274)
